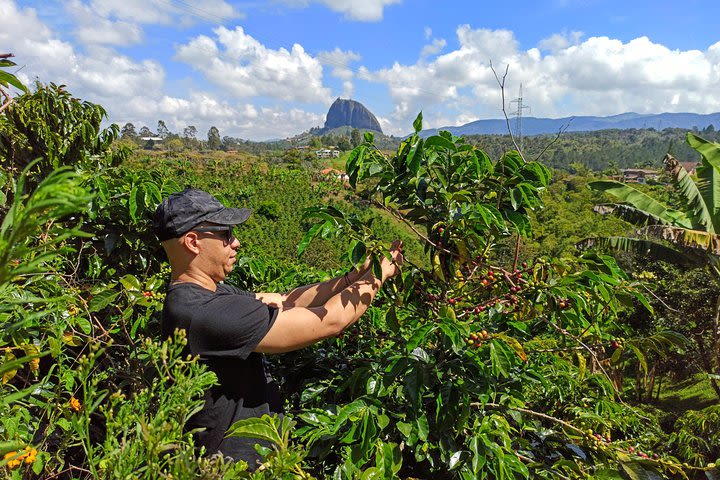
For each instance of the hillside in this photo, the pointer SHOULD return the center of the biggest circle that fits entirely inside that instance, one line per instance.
(540, 126)
(601, 149)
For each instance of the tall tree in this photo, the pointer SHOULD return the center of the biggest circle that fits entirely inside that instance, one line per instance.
(344, 144)
(229, 143)
(128, 131)
(162, 130)
(355, 137)
(214, 141)
(692, 231)
(52, 125)
(190, 132)
(145, 132)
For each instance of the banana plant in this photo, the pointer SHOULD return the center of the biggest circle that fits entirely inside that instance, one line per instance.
(692, 232)
(689, 236)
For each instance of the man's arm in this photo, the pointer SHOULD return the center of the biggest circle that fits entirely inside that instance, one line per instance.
(318, 294)
(298, 327)
(311, 295)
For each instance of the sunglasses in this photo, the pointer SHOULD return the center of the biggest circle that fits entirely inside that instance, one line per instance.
(224, 232)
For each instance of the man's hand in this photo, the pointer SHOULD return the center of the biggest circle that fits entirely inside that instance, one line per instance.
(391, 267)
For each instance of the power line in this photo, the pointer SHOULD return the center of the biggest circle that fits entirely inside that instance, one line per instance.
(194, 11)
(518, 117)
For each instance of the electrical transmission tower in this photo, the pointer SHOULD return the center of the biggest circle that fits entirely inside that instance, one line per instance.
(518, 118)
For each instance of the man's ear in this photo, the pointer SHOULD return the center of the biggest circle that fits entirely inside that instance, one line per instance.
(191, 241)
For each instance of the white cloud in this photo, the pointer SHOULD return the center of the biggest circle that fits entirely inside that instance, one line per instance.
(435, 47)
(204, 110)
(597, 76)
(244, 68)
(339, 60)
(133, 91)
(95, 29)
(560, 41)
(100, 75)
(360, 10)
(565, 74)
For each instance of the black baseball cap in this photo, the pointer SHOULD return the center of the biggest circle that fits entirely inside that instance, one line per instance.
(181, 212)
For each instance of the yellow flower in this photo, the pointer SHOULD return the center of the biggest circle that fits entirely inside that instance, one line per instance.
(75, 404)
(31, 456)
(15, 459)
(15, 462)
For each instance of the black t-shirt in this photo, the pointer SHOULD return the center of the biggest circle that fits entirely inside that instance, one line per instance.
(223, 328)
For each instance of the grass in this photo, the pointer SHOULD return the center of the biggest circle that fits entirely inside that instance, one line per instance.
(694, 393)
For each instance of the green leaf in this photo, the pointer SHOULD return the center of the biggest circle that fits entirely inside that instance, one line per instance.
(357, 252)
(102, 299)
(307, 238)
(608, 474)
(423, 428)
(654, 211)
(454, 460)
(418, 336)
(404, 428)
(499, 360)
(702, 197)
(514, 344)
(414, 384)
(640, 356)
(391, 320)
(643, 300)
(641, 247)
(6, 400)
(413, 157)
(479, 455)
(261, 428)
(372, 473)
(636, 472)
(10, 79)
(84, 325)
(131, 283)
(391, 459)
(12, 446)
(437, 141)
(417, 123)
(133, 203)
(582, 365)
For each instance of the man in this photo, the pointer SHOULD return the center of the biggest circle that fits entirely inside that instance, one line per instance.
(230, 329)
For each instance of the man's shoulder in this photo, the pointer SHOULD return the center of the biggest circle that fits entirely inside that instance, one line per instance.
(189, 289)
(199, 302)
(224, 288)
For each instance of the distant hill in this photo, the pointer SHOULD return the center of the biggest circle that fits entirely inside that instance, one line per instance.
(600, 149)
(540, 126)
(344, 112)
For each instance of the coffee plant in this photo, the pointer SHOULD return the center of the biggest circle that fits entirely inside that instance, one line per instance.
(481, 366)
(473, 363)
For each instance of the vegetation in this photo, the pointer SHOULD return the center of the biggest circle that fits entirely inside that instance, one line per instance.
(495, 354)
(691, 231)
(600, 151)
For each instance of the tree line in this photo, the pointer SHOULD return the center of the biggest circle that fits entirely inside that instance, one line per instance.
(191, 139)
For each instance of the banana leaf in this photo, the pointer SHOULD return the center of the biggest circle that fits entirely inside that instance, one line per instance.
(641, 201)
(641, 247)
(686, 238)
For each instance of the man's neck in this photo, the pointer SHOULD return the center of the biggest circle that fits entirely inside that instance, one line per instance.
(195, 277)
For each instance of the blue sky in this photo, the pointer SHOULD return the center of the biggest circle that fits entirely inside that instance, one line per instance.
(262, 70)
